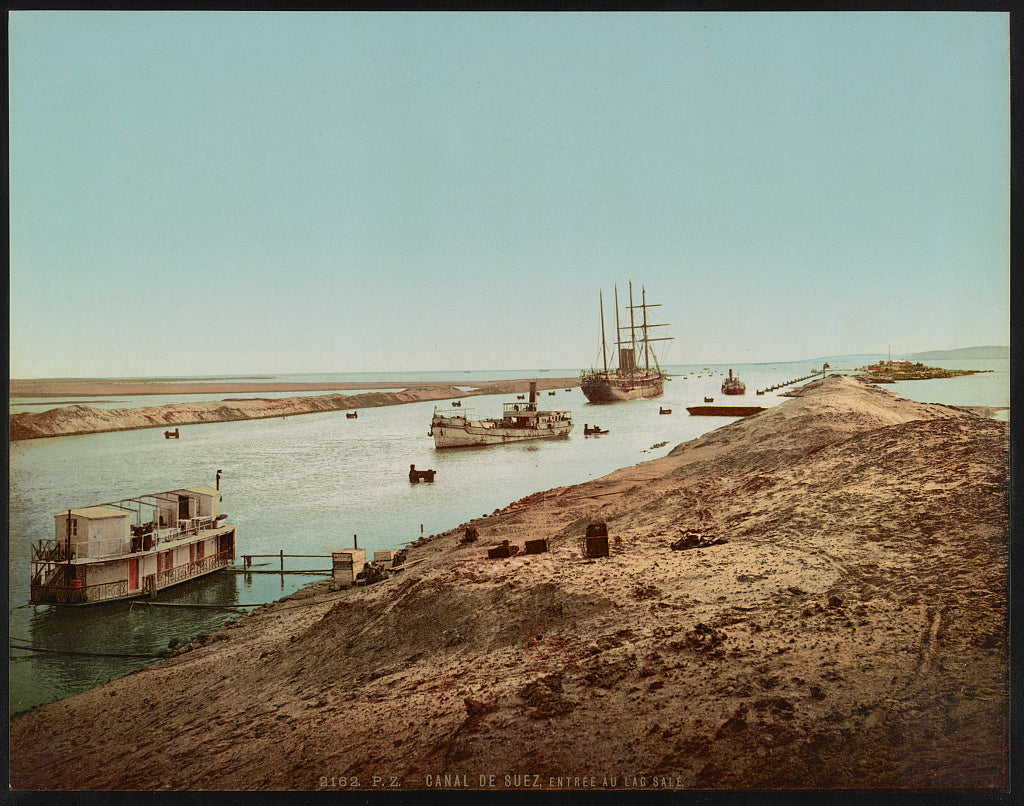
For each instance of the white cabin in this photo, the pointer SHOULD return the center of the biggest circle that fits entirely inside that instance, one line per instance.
(94, 531)
(187, 504)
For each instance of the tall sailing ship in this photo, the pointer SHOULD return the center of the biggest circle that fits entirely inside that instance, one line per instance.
(630, 380)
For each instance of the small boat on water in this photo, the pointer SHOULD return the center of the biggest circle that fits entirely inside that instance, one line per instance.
(416, 476)
(107, 552)
(519, 422)
(592, 430)
(733, 386)
(631, 379)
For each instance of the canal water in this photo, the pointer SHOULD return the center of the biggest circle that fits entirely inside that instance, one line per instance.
(309, 484)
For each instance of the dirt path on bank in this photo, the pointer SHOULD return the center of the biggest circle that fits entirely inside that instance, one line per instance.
(82, 419)
(851, 632)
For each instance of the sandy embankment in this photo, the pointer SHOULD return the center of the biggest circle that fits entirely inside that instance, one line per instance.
(852, 633)
(83, 419)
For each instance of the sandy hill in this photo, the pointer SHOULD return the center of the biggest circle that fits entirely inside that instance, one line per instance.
(843, 626)
(961, 354)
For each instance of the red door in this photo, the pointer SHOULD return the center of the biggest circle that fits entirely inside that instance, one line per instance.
(133, 574)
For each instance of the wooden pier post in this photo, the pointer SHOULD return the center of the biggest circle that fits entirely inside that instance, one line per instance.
(282, 559)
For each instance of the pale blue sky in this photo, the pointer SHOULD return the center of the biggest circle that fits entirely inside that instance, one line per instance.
(217, 193)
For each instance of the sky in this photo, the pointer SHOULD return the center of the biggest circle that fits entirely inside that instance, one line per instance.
(217, 193)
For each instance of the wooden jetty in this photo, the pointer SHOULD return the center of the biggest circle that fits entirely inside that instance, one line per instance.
(815, 374)
(249, 567)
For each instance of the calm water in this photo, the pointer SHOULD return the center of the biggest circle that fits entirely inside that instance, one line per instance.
(308, 484)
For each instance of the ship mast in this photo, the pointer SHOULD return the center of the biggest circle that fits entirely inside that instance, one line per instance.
(643, 303)
(604, 349)
(632, 327)
(618, 330)
(645, 328)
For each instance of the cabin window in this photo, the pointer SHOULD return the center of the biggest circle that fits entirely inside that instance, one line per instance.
(199, 550)
(74, 527)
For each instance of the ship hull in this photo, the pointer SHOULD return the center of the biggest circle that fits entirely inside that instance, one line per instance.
(724, 411)
(610, 388)
(459, 433)
(733, 386)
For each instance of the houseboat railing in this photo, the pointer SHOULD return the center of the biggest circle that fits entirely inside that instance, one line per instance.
(48, 550)
(66, 593)
(52, 550)
(95, 549)
(203, 565)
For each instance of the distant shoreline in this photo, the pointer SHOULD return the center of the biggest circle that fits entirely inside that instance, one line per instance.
(79, 419)
(92, 387)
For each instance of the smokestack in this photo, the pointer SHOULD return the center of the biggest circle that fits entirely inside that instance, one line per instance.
(533, 391)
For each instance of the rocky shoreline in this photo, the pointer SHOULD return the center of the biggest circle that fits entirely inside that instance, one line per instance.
(890, 373)
(839, 622)
(82, 419)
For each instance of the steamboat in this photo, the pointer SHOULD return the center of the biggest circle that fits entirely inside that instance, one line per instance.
(630, 380)
(108, 552)
(519, 421)
(733, 386)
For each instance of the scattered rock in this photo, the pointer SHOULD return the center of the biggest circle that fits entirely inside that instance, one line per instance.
(544, 696)
(703, 638)
(477, 707)
(696, 540)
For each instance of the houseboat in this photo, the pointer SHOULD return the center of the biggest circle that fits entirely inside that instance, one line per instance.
(132, 547)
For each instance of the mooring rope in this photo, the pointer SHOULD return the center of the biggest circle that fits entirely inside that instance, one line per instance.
(196, 604)
(35, 648)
